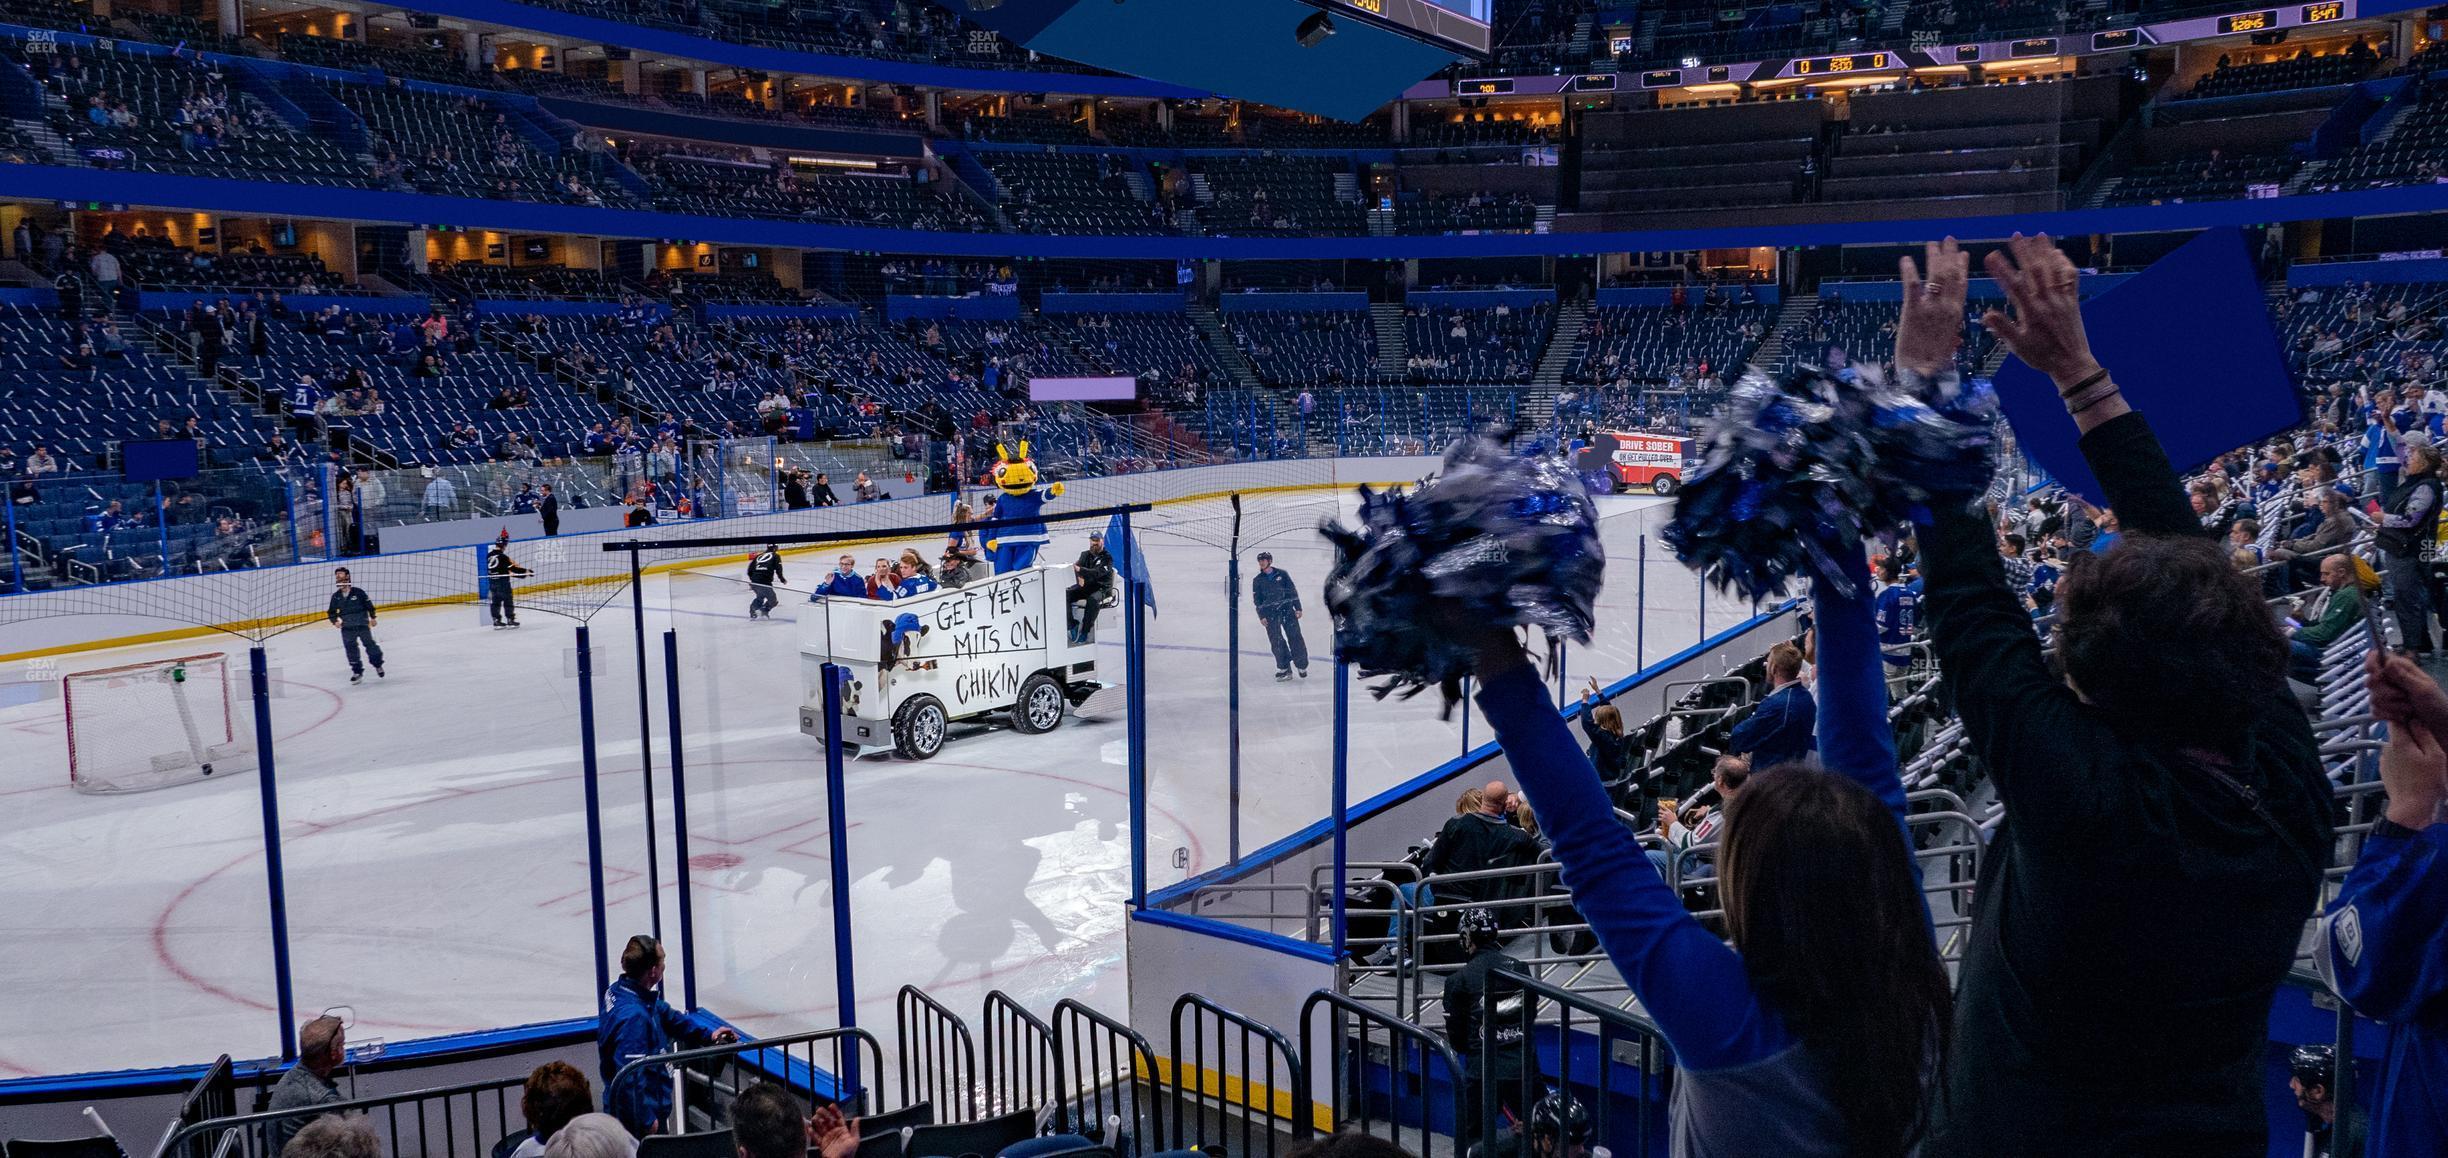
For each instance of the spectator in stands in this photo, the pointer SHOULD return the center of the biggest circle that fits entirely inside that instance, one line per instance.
(2336, 528)
(1610, 751)
(441, 498)
(556, 1095)
(592, 1136)
(1477, 841)
(39, 463)
(2328, 614)
(881, 583)
(334, 1136)
(2171, 738)
(1780, 1053)
(1779, 730)
(2409, 520)
(2384, 938)
(2312, 1075)
(864, 489)
(322, 1047)
(636, 1024)
(1468, 992)
(1683, 828)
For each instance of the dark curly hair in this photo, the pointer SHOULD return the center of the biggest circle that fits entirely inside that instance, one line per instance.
(2164, 635)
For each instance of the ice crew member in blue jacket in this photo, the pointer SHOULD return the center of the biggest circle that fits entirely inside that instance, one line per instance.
(1779, 730)
(844, 580)
(1279, 608)
(637, 1023)
(2384, 943)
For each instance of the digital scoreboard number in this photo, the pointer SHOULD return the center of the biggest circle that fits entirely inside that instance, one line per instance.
(1840, 65)
(2324, 13)
(2037, 46)
(1493, 86)
(2266, 18)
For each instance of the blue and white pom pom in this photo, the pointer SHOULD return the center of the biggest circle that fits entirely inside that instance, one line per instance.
(1494, 538)
(1792, 472)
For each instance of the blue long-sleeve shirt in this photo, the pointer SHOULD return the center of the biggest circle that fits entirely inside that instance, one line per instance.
(1779, 730)
(637, 1024)
(1691, 983)
(836, 583)
(2385, 939)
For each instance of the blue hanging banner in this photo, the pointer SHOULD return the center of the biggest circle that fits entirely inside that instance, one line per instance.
(1128, 562)
(2190, 342)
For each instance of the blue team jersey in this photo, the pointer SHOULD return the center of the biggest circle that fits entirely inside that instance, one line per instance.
(914, 585)
(1899, 618)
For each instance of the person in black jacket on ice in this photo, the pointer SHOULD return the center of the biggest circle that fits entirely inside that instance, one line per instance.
(500, 568)
(352, 611)
(1279, 608)
(548, 508)
(2170, 757)
(1093, 576)
(764, 571)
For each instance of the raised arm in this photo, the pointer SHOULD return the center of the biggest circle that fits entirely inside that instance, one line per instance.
(1855, 739)
(1688, 981)
(2013, 710)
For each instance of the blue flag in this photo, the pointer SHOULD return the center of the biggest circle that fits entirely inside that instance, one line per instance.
(1128, 562)
(2189, 340)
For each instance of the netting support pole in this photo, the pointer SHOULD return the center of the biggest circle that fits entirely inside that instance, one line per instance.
(1703, 577)
(297, 546)
(1640, 609)
(161, 528)
(1466, 714)
(680, 830)
(1134, 650)
(837, 836)
(259, 687)
(331, 499)
(1342, 796)
(594, 810)
(654, 874)
(1232, 703)
(16, 557)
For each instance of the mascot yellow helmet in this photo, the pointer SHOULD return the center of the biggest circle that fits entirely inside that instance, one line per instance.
(1014, 473)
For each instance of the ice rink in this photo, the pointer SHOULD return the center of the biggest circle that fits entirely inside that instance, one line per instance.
(434, 827)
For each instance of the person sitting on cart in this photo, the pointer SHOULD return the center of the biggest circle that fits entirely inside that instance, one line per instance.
(1093, 578)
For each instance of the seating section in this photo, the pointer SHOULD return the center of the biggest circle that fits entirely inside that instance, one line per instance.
(158, 265)
(1474, 213)
(438, 65)
(470, 147)
(1072, 193)
(175, 117)
(1290, 348)
(1499, 344)
(745, 188)
(2214, 177)
(2358, 333)
(473, 280)
(1845, 333)
(1275, 196)
(482, 393)
(1650, 344)
(2415, 151)
(2302, 70)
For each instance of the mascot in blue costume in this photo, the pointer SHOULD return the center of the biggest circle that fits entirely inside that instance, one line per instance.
(1014, 548)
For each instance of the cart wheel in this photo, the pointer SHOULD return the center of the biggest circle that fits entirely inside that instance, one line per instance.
(1663, 485)
(918, 728)
(1040, 706)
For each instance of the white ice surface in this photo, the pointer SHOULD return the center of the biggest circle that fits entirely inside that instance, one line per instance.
(434, 824)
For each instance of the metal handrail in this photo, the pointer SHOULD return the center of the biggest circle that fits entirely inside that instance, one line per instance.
(937, 1055)
(844, 1083)
(1346, 1066)
(252, 1132)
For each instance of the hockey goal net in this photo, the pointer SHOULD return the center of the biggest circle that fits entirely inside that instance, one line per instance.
(150, 725)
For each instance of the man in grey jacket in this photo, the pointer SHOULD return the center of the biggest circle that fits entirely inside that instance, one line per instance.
(353, 610)
(322, 1045)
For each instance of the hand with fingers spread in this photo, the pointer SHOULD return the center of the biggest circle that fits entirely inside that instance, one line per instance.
(1932, 324)
(2046, 327)
(832, 1135)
